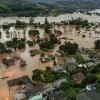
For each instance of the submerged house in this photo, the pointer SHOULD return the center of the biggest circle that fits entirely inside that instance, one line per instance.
(9, 61)
(35, 51)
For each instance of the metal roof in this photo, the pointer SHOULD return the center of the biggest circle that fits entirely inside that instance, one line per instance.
(90, 95)
(25, 79)
(57, 68)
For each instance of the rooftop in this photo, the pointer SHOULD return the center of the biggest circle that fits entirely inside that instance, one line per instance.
(69, 65)
(57, 83)
(25, 79)
(32, 92)
(58, 96)
(90, 64)
(57, 68)
(79, 76)
(90, 95)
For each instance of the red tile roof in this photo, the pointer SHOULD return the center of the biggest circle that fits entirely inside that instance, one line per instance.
(79, 76)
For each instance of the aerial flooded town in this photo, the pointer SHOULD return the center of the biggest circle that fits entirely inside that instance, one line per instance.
(50, 50)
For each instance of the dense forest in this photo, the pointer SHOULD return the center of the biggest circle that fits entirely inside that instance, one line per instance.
(24, 8)
(31, 8)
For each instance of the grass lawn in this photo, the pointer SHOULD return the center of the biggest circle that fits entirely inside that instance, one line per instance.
(97, 75)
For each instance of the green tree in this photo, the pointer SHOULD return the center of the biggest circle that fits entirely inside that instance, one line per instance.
(90, 79)
(69, 48)
(22, 63)
(47, 26)
(37, 74)
(31, 21)
(97, 44)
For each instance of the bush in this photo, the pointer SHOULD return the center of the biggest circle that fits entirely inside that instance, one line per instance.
(70, 48)
(0, 33)
(45, 50)
(42, 55)
(79, 58)
(30, 43)
(83, 36)
(21, 45)
(59, 32)
(2, 47)
(90, 79)
(8, 51)
(6, 26)
(32, 54)
(46, 44)
(22, 63)
(95, 69)
(59, 42)
(20, 24)
(53, 58)
(97, 44)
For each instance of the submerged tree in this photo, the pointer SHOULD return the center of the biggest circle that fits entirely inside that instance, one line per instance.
(47, 26)
(31, 21)
(70, 48)
(97, 44)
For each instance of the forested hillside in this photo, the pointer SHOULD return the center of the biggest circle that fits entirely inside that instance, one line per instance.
(24, 8)
(79, 3)
(31, 8)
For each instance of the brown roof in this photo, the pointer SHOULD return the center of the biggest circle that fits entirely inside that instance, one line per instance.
(79, 76)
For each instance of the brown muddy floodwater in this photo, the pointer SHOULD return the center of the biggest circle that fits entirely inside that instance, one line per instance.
(33, 62)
